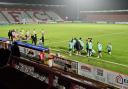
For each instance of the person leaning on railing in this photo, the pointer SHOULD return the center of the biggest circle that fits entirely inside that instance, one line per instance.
(4, 57)
(15, 52)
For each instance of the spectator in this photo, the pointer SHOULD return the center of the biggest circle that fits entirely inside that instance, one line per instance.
(30, 53)
(42, 56)
(15, 50)
(4, 57)
(1, 53)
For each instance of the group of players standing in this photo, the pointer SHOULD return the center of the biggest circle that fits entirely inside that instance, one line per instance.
(22, 35)
(35, 40)
(77, 45)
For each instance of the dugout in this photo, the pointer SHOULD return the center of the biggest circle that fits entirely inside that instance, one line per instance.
(32, 52)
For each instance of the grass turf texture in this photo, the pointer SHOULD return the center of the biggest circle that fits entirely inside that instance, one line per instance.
(57, 37)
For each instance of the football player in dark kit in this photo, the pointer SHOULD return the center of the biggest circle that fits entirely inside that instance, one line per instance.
(78, 47)
(9, 34)
(35, 39)
(15, 52)
(32, 38)
(42, 38)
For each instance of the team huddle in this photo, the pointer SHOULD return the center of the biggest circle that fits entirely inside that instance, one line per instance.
(78, 45)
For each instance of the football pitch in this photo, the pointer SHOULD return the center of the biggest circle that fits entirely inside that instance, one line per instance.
(57, 37)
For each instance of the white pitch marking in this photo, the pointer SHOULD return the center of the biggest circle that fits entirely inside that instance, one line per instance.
(98, 59)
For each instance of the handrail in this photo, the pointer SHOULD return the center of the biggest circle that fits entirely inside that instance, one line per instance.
(70, 77)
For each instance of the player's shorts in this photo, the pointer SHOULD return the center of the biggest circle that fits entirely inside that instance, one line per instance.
(99, 51)
(90, 50)
(109, 51)
(70, 49)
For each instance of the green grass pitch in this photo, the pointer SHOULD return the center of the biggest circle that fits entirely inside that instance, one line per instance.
(57, 37)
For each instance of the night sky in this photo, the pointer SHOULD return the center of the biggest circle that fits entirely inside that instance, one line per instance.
(84, 4)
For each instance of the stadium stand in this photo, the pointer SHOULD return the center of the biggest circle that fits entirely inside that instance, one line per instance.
(12, 15)
(105, 16)
(3, 19)
(54, 15)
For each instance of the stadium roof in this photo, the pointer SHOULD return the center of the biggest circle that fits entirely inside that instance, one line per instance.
(34, 1)
(25, 4)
